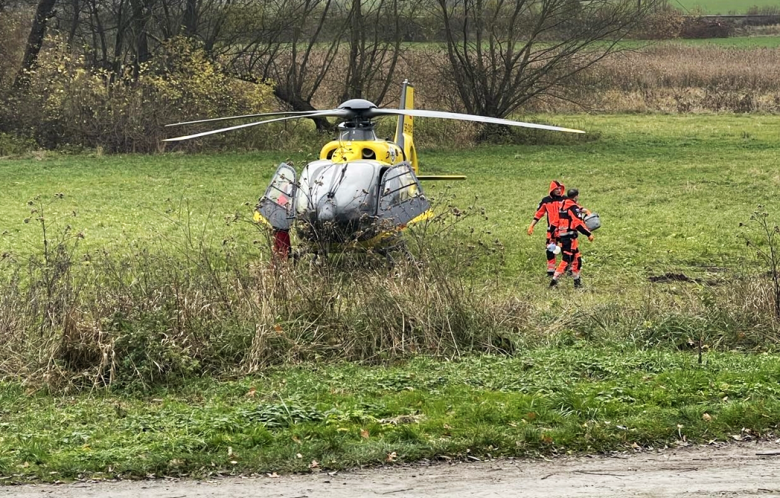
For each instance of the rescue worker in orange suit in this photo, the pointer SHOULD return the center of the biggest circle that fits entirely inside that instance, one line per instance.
(550, 206)
(569, 226)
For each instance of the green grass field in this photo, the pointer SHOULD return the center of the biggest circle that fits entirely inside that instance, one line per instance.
(545, 402)
(723, 6)
(672, 192)
(738, 42)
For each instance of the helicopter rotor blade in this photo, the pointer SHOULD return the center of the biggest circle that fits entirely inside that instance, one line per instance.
(422, 113)
(281, 113)
(338, 113)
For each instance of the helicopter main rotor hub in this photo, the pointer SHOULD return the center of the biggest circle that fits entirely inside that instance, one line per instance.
(358, 106)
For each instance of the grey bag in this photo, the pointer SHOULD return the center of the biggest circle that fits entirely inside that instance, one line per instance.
(592, 221)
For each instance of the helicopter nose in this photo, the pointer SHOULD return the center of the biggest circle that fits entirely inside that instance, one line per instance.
(326, 212)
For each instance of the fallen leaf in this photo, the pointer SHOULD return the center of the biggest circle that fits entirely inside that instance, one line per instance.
(364, 433)
(314, 464)
(531, 416)
(298, 455)
(392, 456)
(707, 417)
(252, 392)
(273, 475)
(297, 439)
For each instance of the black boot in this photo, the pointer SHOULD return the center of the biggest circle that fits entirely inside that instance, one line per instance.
(577, 283)
(553, 283)
(550, 273)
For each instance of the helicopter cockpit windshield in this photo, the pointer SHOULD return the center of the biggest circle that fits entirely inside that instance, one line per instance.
(351, 187)
(356, 134)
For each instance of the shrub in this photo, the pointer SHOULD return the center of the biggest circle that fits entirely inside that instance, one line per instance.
(706, 28)
(663, 23)
(67, 103)
(11, 145)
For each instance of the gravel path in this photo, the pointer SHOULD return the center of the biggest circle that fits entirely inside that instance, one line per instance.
(727, 470)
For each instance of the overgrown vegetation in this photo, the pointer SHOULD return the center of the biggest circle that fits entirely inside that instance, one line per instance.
(167, 312)
(163, 314)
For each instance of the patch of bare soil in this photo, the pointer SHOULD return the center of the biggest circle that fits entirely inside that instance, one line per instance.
(727, 470)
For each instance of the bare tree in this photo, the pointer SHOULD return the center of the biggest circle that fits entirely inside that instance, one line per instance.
(291, 43)
(43, 13)
(190, 21)
(502, 53)
(299, 70)
(374, 48)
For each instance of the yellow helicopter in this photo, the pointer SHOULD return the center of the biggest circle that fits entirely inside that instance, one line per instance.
(362, 191)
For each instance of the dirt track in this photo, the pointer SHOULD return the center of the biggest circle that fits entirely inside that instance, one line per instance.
(730, 470)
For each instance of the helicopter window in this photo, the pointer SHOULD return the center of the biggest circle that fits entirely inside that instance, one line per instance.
(349, 185)
(354, 186)
(399, 185)
(356, 134)
(282, 188)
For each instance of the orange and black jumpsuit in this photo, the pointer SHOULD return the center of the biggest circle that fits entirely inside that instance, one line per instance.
(551, 206)
(569, 225)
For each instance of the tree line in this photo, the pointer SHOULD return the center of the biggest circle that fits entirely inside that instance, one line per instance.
(495, 55)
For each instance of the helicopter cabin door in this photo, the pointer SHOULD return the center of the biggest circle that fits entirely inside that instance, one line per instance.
(277, 206)
(401, 199)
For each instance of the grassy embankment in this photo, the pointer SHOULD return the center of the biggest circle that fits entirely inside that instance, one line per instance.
(671, 191)
(723, 6)
(736, 42)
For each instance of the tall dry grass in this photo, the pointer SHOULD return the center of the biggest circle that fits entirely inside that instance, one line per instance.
(679, 78)
(667, 77)
(150, 315)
